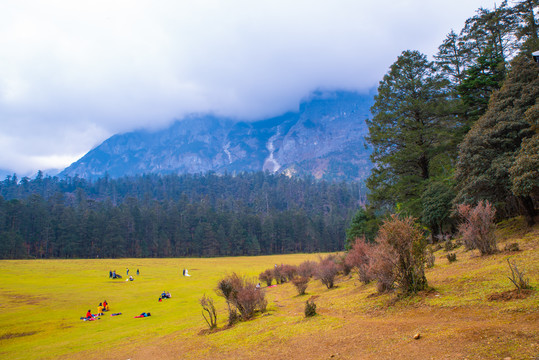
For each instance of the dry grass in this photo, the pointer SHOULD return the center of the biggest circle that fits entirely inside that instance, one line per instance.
(455, 319)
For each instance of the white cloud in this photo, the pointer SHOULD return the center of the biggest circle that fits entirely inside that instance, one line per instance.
(73, 73)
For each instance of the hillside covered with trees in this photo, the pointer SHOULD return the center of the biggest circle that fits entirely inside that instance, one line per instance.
(459, 129)
(173, 215)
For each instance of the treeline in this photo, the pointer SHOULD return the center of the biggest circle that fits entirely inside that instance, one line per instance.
(461, 128)
(173, 215)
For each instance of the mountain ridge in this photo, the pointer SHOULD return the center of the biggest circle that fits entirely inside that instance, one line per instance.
(325, 138)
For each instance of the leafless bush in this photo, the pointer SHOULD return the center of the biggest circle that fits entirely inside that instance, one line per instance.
(477, 230)
(327, 271)
(344, 267)
(289, 271)
(400, 255)
(250, 299)
(279, 274)
(209, 309)
(266, 276)
(242, 295)
(517, 277)
(307, 269)
(382, 268)
(300, 282)
(359, 259)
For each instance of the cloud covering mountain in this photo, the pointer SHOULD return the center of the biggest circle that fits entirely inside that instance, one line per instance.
(74, 73)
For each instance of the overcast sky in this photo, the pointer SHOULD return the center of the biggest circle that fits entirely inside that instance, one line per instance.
(73, 72)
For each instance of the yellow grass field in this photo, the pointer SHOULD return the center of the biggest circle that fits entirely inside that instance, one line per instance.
(42, 301)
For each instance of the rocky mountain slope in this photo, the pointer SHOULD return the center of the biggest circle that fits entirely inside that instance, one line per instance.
(325, 138)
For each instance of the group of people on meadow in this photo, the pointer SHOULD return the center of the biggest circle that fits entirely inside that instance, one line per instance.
(101, 308)
(114, 275)
(104, 306)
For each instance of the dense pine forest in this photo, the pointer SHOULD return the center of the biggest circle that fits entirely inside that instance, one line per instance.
(174, 215)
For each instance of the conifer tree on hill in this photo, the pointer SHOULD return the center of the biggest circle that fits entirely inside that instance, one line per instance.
(410, 127)
(489, 150)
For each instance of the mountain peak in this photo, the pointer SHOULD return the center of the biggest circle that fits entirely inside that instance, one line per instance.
(325, 139)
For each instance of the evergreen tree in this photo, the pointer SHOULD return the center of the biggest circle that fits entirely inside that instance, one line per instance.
(364, 225)
(410, 126)
(489, 149)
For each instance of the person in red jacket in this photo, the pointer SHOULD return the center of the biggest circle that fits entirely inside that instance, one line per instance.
(89, 315)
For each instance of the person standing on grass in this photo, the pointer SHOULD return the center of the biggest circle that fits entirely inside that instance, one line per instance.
(127, 271)
(138, 272)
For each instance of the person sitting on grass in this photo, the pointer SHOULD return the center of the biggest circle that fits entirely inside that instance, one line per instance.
(89, 315)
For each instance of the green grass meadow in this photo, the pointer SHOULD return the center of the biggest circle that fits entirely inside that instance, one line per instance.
(42, 301)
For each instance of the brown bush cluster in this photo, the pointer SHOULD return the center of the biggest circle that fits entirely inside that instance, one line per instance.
(399, 256)
(241, 295)
(359, 259)
(327, 271)
(477, 229)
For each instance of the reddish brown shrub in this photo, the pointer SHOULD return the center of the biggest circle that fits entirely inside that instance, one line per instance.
(382, 268)
(241, 294)
(344, 267)
(300, 283)
(307, 269)
(400, 255)
(289, 271)
(266, 276)
(327, 271)
(279, 274)
(359, 259)
(477, 230)
(249, 299)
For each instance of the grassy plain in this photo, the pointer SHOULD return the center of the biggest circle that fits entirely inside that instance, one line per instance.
(42, 301)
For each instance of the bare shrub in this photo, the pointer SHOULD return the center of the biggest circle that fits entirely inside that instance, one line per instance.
(279, 274)
(477, 230)
(242, 295)
(344, 267)
(289, 271)
(300, 282)
(451, 257)
(327, 271)
(250, 299)
(400, 255)
(382, 268)
(227, 288)
(307, 269)
(517, 277)
(266, 276)
(310, 308)
(359, 259)
(209, 309)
